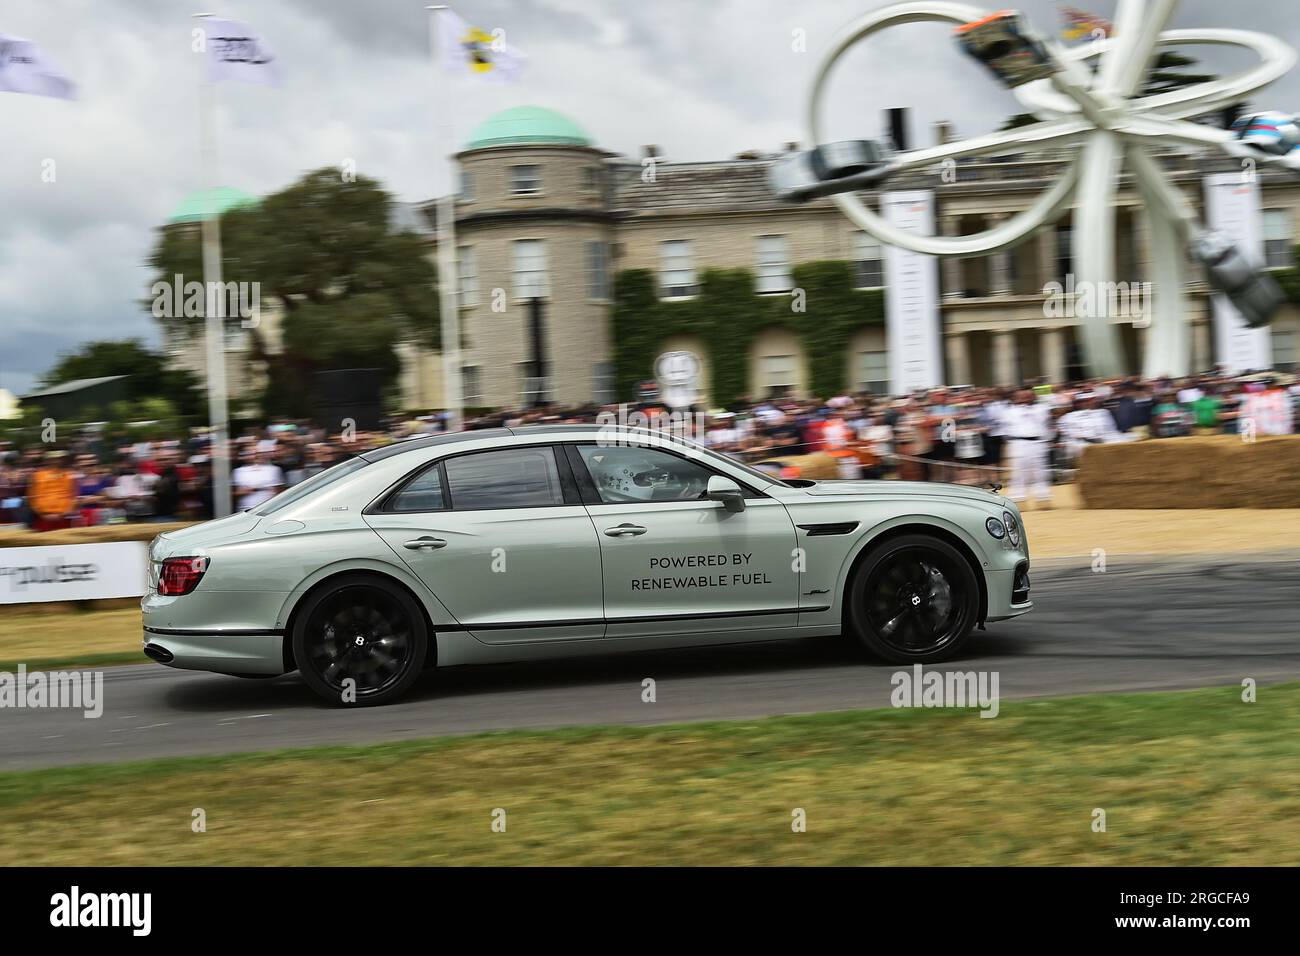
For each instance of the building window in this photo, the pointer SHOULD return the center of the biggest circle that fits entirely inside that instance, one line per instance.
(525, 180)
(466, 186)
(774, 264)
(676, 269)
(869, 262)
(598, 269)
(778, 374)
(602, 383)
(533, 389)
(1278, 253)
(1064, 252)
(471, 386)
(1284, 354)
(873, 372)
(591, 178)
(530, 269)
(468, 275)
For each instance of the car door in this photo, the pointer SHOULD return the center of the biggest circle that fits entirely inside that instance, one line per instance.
(674, 562)
(503, 540)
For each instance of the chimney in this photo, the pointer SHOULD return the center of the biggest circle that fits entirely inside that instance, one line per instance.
(792, 147)
(649, 152)
(896, 128)
(942, 133)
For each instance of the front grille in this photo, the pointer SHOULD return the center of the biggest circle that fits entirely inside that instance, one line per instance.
(1020, 585)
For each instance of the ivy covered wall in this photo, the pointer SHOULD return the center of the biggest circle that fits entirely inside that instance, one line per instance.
(728, 315)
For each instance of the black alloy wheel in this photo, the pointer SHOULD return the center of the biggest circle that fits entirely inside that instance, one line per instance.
(914, 599)
(362, 641)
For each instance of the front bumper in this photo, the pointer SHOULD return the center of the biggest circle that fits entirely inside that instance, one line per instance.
(1008, 592)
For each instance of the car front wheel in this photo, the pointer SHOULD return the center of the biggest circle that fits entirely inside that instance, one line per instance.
(914, 599)
(360, 641)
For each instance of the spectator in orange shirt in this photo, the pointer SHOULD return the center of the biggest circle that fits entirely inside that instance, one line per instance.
(52, 494)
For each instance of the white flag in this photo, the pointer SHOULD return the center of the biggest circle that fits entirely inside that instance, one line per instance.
(25, 69)
(235, 52)
(466, 50)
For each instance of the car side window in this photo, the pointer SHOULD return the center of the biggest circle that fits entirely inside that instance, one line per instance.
(422, 493)
(508, 478)
(629, 473)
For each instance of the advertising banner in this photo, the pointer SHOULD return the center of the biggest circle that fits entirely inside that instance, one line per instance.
(74, 572)
(912, 332)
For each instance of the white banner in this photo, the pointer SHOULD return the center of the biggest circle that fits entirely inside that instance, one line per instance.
(912, 332)
(24, 68)
(1232, 208)
(73, 572)
(235, 52)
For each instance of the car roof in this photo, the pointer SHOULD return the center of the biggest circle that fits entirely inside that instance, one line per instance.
(429, 441)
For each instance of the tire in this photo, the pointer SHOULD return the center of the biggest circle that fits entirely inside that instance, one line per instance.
(363, 628)
(913, 600)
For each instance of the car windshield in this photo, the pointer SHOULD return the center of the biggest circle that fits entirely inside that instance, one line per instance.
(309, 486)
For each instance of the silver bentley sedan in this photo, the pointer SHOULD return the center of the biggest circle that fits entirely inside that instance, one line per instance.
(513, 544)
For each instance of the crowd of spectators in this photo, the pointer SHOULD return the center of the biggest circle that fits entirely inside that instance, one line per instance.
(965, 434)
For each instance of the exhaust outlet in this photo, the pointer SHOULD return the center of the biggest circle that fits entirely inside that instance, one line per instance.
(156, 652)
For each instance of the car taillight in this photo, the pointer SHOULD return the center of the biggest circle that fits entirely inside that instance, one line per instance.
(180, 575)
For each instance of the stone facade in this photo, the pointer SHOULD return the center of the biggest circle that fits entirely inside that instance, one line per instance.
(575, 198)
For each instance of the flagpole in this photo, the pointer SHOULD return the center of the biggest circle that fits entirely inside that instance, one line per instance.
(214, 308)
(449, 307)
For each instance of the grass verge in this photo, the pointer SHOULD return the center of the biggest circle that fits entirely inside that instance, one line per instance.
(45, 640)
(1185, 778)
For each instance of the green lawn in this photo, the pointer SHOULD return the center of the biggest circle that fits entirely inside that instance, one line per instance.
(50, 639)
(1185, 778)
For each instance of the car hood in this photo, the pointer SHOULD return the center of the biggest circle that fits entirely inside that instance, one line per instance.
(204, 535)
(891, 489)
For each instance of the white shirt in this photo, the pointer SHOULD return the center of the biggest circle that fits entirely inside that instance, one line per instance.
(1090, 425)
(262, 480)
(1027, 421)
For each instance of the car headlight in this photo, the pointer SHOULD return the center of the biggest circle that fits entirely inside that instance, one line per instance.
(1013, 529)
(996, 528)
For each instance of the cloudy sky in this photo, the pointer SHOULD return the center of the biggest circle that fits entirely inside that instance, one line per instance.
(703, 80)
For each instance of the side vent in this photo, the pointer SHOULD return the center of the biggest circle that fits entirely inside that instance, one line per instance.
(833, 527)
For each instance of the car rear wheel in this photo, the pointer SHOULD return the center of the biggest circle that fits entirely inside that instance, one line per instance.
(360, 641)
(914, 599)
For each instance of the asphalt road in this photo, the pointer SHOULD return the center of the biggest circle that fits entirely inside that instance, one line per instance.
(1140, 625)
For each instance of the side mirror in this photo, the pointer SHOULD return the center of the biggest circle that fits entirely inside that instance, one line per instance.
(726, 491)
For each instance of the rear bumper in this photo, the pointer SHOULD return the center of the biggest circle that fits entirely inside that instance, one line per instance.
(225, 652)
(231, 632)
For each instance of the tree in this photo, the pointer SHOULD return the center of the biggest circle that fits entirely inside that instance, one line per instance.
(349, 284)
(149, 376)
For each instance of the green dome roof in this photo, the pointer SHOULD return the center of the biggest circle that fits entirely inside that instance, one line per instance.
(527, 124)
(198, 206)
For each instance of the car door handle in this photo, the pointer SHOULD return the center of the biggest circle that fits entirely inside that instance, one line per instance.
(425, 543)
(625, 531)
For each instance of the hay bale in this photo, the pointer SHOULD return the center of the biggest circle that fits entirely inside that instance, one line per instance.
(1199, 471)
(99, 534)
(818, 466)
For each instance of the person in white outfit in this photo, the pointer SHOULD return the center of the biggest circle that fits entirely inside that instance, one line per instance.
(1027, 431)
(1088, 424)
